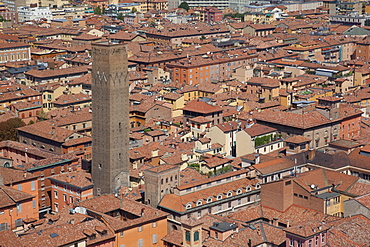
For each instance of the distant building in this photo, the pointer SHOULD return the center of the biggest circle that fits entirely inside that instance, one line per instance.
(33, 14)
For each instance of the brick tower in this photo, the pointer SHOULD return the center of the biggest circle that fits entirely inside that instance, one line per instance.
(110, 120)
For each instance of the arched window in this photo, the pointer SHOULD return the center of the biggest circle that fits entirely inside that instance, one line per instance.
(196, 236)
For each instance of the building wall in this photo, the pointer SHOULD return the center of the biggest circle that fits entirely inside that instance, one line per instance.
(359, 78)
(44, 184)
(321, 240)
(159, 184)
(19, 157)
(30, 115)
(350, 128)
(12, 213)
(335, 205)
(15, 54)
(30, 187)
(131, 236)
(362, 51)
(282, 194)
(4, 105)
(244, 145)
(158, 112)
(320, 135)
(49, 96)
(40, 142)
(64, 195)
(222, 208)
(218, 136)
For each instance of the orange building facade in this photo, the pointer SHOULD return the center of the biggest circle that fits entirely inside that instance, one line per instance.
(148, 234)
(69, 188)
(350, 128)
(208, 68)
(15, 208)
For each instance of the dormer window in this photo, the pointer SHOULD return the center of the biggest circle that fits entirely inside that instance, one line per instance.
(249, 188)
(239, 191)
(258, 186)
(199, 202)
(209, 199)
(219, 197)
(188, 205)
(229, 194)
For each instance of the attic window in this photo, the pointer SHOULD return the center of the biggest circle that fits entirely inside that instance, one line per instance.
(199, 202)
(188, 205)
(219, 197)
(229, 194)
(239, 191)
(258, 186)
(249, 188)
(209, 199)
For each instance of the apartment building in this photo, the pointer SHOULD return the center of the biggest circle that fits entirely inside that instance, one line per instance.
(217, 195)
(69, 188)
(21, 193)
(211, 67)
(33, 14)
(14, 52)
(133, 223)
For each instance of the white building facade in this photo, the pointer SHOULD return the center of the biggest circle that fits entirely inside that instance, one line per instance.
(33, 14)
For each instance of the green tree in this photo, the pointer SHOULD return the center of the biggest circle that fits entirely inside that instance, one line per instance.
(8, 129)
(120, 16)
(236, 15)
(42, 116)
(184, 5)
(133, 10)
(98, 11)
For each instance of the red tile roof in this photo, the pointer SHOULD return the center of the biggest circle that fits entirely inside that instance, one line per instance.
(201, 107)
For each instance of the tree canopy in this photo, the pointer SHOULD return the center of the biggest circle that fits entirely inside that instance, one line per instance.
(8, 129)
(99, 11)
(184, 5)
(120, 16)
(236, 15)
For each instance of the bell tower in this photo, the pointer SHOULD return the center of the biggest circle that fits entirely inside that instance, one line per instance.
(110, 117)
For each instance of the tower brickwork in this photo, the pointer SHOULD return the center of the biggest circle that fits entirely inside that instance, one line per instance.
(110, 120)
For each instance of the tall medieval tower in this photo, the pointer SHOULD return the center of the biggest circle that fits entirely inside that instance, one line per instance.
(110, 120)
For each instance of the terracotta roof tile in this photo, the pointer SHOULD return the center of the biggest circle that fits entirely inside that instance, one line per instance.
(80, 179)
(13, 176)
(201, 107)
(258, 129)
(10, 197)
